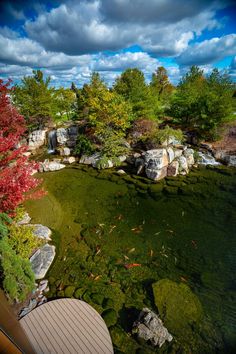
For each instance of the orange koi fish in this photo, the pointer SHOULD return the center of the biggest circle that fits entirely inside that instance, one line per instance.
(131, 265)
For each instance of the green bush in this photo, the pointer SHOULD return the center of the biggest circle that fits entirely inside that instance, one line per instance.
(84, 146)
(22, 240)
(110, 317)
(18, 277)
(166, 133)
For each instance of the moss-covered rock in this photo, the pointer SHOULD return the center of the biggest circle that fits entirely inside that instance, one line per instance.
(110, 317)
(97, 298)
(69, 291)
(122, 341)
(79, 293)
(177, 305)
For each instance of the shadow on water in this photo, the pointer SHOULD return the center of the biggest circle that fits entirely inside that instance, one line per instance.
(182, 229)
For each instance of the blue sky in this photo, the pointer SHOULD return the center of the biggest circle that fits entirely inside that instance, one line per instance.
(70, 39)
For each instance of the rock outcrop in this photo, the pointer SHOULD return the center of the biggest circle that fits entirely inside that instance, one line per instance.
(37, 138)
(41, 231)
(150, 328)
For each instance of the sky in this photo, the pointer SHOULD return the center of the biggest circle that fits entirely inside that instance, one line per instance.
(70, 39)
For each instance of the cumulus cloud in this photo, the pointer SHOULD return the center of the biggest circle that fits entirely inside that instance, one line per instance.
(208, 51)
(88, 26)
(232, 68)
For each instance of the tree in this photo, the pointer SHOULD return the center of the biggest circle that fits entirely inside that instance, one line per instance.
(161, 85)
(103, 109)
(34, 99)
(131, 85)
(63, 103)
(15, 169)
(203, 103)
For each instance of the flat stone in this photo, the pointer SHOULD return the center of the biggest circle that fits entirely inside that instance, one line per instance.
(49, 166)
(41, 231)
(42, 260)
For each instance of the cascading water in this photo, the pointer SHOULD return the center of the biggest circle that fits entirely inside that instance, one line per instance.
(52, 141)
(206, 159)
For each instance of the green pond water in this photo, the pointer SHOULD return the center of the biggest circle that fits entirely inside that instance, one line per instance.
(181, 229)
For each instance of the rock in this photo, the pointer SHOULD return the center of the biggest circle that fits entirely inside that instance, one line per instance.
(69, 160)
(44, 299)
(121, 172)
(62, 136)
(150, 327)
(140, 164)
(188, 153)
(173, 169)
(41, 231)
(36, 139)
(178, 153)
(206, 159)
(43, 285)
(102, 164)
(30, 307)
(64, 151)
(42, 259)
(171, 154)
(122, 158)
(72, 136)
(171, 141)
(89, 160)
(24, 220)
(183, 164)
(230, 160)
(50, 166)
(156, 162)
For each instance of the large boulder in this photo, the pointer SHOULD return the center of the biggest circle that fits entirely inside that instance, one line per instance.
(41, 231)
(183, 164)
(188, 153)
(42, 260)
(171, 154)
(150, 327)
(62, 136)
(72, 136)
(49, 166)
(90, 160)
(173, 169)
(156, 162)
(37, 138)
(230, 160)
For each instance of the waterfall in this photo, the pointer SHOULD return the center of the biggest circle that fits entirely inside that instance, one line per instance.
(206, 159)
(52, 141)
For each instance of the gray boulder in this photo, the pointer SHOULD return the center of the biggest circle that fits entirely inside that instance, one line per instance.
(230, 160)
(24, 220)
(42, 260)
(50, 166)
(173, 169)
(41, 231)
(69, 159)
(89, 160)
(37, 138)
(156, 162)
(62, 136)
(150, 327)
(183, 164)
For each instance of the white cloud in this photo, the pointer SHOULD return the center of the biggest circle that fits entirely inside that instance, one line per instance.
(88, 26)
(209, 51)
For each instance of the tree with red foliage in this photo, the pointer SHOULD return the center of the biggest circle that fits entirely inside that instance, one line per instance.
(15, 168)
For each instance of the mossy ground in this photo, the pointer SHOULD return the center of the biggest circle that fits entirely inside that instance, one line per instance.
(181, 229)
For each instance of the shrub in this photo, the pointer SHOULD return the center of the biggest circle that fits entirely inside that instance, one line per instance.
(83, 146)
(143, 129)
(167, 133)
(22, 240)
(18, 277)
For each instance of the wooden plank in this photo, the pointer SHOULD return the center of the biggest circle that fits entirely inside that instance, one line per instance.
(67, 326)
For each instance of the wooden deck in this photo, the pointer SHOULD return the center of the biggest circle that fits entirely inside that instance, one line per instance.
(67, 326)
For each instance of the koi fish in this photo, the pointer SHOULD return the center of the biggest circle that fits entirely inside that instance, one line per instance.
(194, 243)
(183, 279)
(112, 228)
(131, 265)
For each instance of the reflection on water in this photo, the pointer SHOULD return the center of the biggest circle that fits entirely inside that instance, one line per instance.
(181, 229)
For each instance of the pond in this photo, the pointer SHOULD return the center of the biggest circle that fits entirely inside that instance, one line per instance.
(117, 235)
